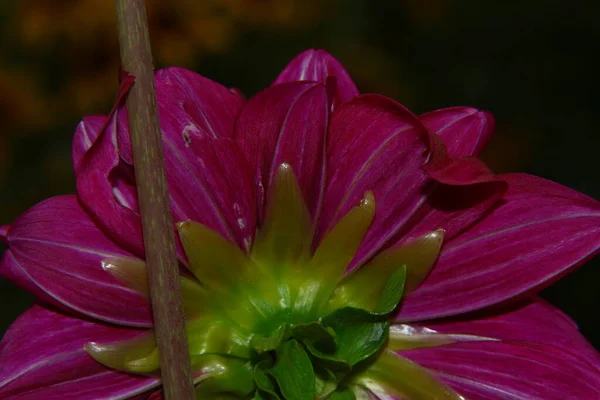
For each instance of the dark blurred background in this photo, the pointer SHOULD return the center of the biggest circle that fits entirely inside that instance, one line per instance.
(532, 63)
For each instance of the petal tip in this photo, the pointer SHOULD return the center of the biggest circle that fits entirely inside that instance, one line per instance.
(4, 233)
(368, 202)
(183, 225)
(93, 348)
(436, 236)
(284, 168)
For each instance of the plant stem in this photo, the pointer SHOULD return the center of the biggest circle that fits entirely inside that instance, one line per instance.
(159, 240)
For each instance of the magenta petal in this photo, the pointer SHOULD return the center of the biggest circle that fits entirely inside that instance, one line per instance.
(487, 370)
(465, 188)
(375, 144)
(541, 230)
(154, 395)
(454, 209)
(531, 321)
(208, 178)
(465, 131)
(287, 123)
(85, 134)
(105, 189)
(210, 106)
(105, 184)
(446, 169)
(4, 233)
(318, 65)
(42, 357)
(56, 252)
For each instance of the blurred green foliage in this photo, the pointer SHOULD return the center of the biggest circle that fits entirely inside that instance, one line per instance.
(531, 63)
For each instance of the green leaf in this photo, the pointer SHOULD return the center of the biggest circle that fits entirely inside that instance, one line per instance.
(264, 382)
(359, 333)
(320, 343)
(324, 387)
(260, 395)
(342, 394)
(315, 337)
(392, 292)
(293, 372)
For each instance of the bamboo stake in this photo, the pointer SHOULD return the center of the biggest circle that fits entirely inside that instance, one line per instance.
(159, 240)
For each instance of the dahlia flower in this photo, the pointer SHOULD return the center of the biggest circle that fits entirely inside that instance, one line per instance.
(332, 245)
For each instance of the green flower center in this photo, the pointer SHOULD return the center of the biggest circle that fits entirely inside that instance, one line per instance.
(282, 322)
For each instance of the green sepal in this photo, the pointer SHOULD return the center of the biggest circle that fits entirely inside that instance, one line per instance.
(294, 372)
(234, 378)
(342, 394)
(359, 333)
(392, 292)
(400, 377)
(262, 343)
(372, 288)
(210, 336)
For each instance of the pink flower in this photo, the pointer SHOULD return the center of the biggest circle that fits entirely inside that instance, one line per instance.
(274, 199)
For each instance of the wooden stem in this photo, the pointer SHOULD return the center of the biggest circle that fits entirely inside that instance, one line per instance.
(159, 240)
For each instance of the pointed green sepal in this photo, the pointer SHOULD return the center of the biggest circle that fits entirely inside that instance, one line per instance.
(286, 235)
(139, 355)
(132, 273)
(338, 248)
(217, 263)
(382, 378)
(272, 341)
(213, 336)
(373, 283)
(228, 378)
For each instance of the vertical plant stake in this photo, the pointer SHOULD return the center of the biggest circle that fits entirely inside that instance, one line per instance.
(159, 240)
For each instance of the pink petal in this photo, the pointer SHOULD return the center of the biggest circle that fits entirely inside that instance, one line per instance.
(155, 395)
(208, 178)
(4, 233)
(539, 232)
(86, 133)
(449, 170)
(287, 123)
(105, 184)
(466, 188)
(106, 191)
(375, 144)
(465, 131)
(318, 65)
(532, 321)
(453, 209)
(487, 370)
(42, 357)
(56, 252)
